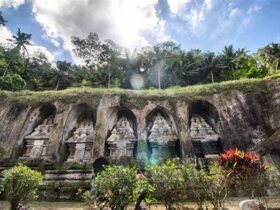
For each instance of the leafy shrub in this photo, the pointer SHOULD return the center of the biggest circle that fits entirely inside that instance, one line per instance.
(194, 184)
(114, 187)
(244, 170)
(168, 181)
(12, 82)
(20, 183)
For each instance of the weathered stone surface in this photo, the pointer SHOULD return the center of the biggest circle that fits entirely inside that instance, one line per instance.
(37, 142)
(80, 144)
(122, 139)
(162, 138)
(204, 138)
(240, 119)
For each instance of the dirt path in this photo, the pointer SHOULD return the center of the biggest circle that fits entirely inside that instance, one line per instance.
(231, 204)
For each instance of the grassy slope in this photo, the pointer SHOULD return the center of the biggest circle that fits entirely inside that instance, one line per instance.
(72, 94)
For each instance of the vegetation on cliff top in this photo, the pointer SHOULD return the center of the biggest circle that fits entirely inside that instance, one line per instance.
(87, 93)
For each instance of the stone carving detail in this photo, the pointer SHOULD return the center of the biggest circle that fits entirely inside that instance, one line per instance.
(80, 144)
(162, 138)
(122, 139)
(38, 141)
(204, 138)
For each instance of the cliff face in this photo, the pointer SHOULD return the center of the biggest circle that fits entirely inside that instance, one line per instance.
(241, 117)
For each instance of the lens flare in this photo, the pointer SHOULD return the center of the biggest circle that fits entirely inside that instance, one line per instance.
(137, 81)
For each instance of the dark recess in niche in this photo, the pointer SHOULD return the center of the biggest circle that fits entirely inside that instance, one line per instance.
(205, 110)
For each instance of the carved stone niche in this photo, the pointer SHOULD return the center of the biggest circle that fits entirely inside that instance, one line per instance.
(162, 139)
(80, 144)
(122, 139)
(205, 140)
(38, 141)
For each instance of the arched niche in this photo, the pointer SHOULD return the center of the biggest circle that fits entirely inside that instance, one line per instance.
(79, 134)
(162, 135)
(204, 128)
(37, 131)
(121, 133)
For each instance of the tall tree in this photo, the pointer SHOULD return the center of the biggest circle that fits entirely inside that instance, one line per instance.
(61, 74)
(109, 59)
(229, 56)
(21, 40)
(211, 64)
(271, 56)
(102, 57)
(160, 56)
(87, 49)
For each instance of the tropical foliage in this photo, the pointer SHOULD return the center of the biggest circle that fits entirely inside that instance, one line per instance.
(244, 169)
(168, 181)
(20, 184)
(114, 187)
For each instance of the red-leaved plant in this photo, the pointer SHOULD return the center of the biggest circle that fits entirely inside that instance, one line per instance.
(243, 169)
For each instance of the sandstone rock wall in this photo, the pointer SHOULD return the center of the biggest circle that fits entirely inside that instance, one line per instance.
(241, 119)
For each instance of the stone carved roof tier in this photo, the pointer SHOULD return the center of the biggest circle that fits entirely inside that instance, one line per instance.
(201, 131)
(122, 132)
(84, 133)
(42, 131)
(161, 132)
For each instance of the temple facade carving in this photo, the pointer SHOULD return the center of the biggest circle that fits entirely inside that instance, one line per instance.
(38, 141)
(122, 139)
(80, 144)
(162, 139)
(205, 140)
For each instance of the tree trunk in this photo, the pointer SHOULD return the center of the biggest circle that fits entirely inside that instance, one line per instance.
(212, 76)
(14, 205)
(57, 85)
(159, 79)
(232, 72)
(276, 66)
(109, 77)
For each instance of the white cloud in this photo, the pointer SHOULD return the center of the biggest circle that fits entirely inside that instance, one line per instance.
(33, 50)
(254, 8)
(128, 23)
(53, 41)
(175, 5)
(208, 4)
(234, 12)
(11, 3)
(5, 34)
(196, 17)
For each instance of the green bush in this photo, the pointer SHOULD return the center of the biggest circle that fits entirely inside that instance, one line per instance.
(12, 82)
(114, 187)
(20, 184)
(168, 181)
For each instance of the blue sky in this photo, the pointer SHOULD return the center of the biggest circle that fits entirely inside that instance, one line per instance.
(203, 24)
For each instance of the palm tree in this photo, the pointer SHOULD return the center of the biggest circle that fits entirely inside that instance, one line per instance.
(230, 57)
(271, 55)
(159, 55)
(21, 39)
(211, 64)
(60, 75)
